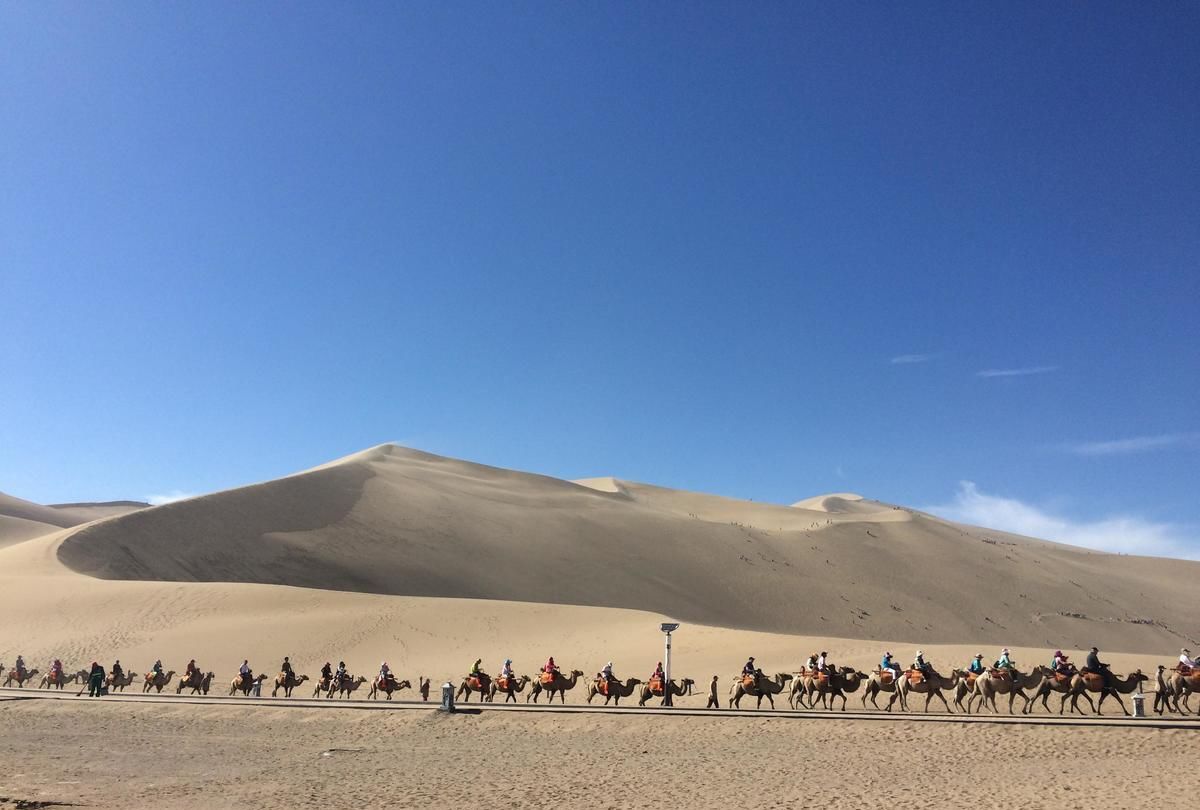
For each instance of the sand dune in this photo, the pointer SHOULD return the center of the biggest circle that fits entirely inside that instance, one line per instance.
(394, 521)
(22, 520)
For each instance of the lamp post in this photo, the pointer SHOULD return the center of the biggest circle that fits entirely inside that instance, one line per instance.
(668, 628)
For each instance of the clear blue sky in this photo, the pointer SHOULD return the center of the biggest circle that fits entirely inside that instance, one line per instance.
(682, 244)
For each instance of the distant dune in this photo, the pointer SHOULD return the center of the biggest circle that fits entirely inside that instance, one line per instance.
(22, 520)
(396, 521)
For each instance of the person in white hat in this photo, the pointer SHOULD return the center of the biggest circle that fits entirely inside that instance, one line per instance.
(1185, 659)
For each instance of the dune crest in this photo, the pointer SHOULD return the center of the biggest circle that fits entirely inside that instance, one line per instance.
(395, 521)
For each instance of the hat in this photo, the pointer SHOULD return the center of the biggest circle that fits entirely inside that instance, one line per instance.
(610, 663)
(888, 653)
(508, 660)
(979, 655)
(1095, 649)
(920, 652)
(1058, 652)
(1005, 650)
(824, 653)
(1186, 650)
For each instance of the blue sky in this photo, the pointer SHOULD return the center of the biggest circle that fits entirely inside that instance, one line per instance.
(943, 256)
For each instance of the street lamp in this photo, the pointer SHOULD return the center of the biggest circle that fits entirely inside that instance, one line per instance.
(668, 628)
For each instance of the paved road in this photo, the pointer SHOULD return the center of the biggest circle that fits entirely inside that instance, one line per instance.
(69, 694)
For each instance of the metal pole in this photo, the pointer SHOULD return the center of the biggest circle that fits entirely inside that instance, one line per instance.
(667, 701)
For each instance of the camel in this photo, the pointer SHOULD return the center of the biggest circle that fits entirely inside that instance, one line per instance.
(287, 681)
(387, 687)
(837, 684)
(611, 690)
(930, 685)
(157, 682)
(198, 683)
(1164, 695)
(323, 685)
(1093, 682)
(761, 687)
(75, 677)
(347, 686)
(681, 689)
(118, 684)
(20, 680)
(239, 684)
(1182, 686)
(1053, 682)
(880, 681)
(995, 682)
(553, 684)
(480, 683)
(509, 686)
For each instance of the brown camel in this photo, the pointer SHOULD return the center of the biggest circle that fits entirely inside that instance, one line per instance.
(680, 689)
(48, 679)
(611, 690)
(838, 683)
(553, 683)
(346, 687)
(323, 687)
(198, 682)
(1094, 682)
(118, 684)
(480, 683)
(930, 684)
(240, 684)
(509, 686)
(19, 679)
(387, 686)
(157, 682)
(759, 686)
(287, 681)
(1183, 686)
(880, 681)
(1003, 682)
(1054, 682)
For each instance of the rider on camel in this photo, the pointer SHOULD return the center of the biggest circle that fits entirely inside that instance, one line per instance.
(607, 675)
(976, 666)
(1094, 664)
(117, 672)
(385, 673)
(1004, 661)
(245, 672)
(21, 667)
(1061, 665)
(811, 664)
(921, 665)
(327, 673)
(750, 670)
(341, 676)
(191, 670)
(285, 668)
(822, 663)
(658, 674)
(1186, 662)
(477, 670)
(506, 670)
(889, 663)
(550, 667)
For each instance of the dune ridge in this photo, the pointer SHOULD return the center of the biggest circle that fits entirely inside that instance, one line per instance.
(395, 521)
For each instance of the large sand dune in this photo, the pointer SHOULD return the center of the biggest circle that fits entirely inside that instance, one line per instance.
(393, 521)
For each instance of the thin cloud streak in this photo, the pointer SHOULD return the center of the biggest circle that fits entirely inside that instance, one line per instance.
(169, 497)
(1135, 444)
(1128, 534)
(907, 359)
(1015, 372)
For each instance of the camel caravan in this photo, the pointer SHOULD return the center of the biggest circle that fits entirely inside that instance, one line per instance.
(974, 689)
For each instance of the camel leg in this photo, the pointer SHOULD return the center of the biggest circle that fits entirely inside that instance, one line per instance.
(1117, 697)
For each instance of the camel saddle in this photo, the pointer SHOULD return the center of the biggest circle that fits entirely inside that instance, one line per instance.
(1062, 677)
(915, 676)
(478, 682)
(749, 681)
(502, 684)
(602, 687)
(821, 678)
(886, 676)
(547, 678)
(1002, 672)
(656, 686)
(1093, 680)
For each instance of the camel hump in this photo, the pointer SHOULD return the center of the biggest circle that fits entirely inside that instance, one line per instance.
(547, 678)
(655, 686)
(916, 676)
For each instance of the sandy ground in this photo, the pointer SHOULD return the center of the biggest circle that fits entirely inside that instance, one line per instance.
(98, 754)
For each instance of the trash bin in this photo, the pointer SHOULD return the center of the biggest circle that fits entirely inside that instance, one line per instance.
(447, 698)
(1139, 705)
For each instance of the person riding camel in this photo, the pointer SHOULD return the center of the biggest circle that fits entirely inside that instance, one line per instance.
(245, 672)
(658, 674)
(607, 675)
(191, 670)
(56, 671)
(285, 668)
(477, 670)
(20, 667)
(550, 667)
(1061, 665)
(889, 663)
(1186, 662)
(506, 670)
(327, 673)
(341, 676)
(749, 670)
(117, 671)
(811, 664)
(921, 665)
(823, 663)
(385, 673)
(976, 666)
(1005, 661)
(1094, 664)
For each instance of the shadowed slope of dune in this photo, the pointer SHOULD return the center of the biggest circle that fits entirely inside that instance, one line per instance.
(396, 521)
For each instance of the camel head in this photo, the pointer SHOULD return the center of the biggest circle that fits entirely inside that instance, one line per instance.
(302, 679)
(360, 679)
(404, 685)
(578, 673)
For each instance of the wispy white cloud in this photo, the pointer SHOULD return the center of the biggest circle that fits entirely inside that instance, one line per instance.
(169, 497)
(1120, 533)
(1136, 444)
(1015, 372)
(907, 359)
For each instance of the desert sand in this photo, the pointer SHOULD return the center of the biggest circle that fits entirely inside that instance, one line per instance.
(428, 563)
